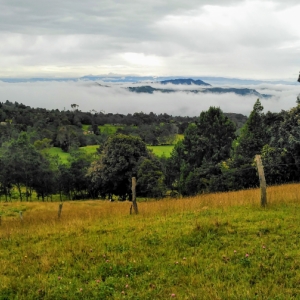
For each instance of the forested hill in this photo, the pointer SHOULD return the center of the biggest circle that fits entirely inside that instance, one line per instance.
(185, 81)
(24, 116)
(68, 128)
(211, 90)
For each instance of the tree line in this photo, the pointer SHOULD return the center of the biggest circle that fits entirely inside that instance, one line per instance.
(64, 128)
(213, 156)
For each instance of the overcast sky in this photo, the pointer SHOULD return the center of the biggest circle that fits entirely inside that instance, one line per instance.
(230, 38)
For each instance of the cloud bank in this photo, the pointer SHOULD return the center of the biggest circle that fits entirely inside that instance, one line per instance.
(117, 99)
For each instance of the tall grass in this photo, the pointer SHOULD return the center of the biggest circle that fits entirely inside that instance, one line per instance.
(216, 246)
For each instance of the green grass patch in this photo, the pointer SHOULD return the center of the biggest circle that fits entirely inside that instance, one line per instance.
(64, 156)
(92, 149)
(172, 249)
(162, 150)
(180, 137)
(58, 151)
(109, 129)
(165, 149)
(85, 127)
(11, 211)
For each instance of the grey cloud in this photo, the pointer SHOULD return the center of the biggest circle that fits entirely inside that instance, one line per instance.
(251, 29)
(90, 16)
(42, 37)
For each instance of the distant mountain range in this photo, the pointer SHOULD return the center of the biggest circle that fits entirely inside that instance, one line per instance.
(213, 90)
(188, 81)
(221, 85)
(134, 78)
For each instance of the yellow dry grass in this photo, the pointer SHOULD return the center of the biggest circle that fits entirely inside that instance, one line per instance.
(81, 213)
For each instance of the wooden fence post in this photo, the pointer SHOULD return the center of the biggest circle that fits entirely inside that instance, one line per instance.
(134, 204)
(262, 180)
(21, 215)
(60, 206)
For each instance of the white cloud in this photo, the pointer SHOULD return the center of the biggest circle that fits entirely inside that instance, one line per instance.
(117, 99)
(141, 59)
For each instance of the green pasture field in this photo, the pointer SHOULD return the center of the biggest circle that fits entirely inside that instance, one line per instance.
(162, 150)
(85, 127)
(157, 150)
(107, 128)
(64, 156)
(91, 149)
(111, 129)
(218, 246)
(57, 151)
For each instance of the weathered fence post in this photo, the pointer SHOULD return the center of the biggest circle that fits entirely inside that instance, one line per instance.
(262, 180)
(134, 204)
(60, 206)
(21, 215)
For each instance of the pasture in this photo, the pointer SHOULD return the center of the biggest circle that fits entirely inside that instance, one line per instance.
(107, 128)
(64, 156)
(92, 149)
(162, 150)
(214, 246)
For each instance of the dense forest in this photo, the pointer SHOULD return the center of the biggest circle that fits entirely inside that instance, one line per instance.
(216, 153)
(64, 128)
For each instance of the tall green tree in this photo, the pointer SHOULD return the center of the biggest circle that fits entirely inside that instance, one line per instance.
(67, 137)
(253, 136)
(117, 164)
(44, 182)
(151, 180)
(206, 143)
(79, 164)
(282, 154)
(6, 180)
(24, 165)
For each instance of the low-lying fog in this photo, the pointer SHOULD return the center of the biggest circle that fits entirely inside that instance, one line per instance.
(116, 99)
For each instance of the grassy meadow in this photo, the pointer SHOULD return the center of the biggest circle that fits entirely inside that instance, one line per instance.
(92, 149)
(64, 156)
(107, 128)
(163, 150)
(112, 129)
(216, 246)
(157, 150)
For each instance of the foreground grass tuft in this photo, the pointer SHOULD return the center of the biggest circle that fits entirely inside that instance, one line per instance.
(220, 246)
